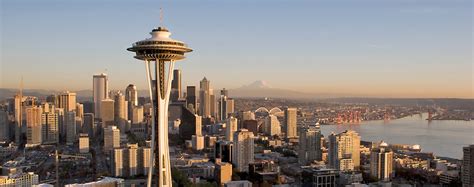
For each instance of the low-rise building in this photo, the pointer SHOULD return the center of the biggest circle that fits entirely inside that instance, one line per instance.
(19, 179)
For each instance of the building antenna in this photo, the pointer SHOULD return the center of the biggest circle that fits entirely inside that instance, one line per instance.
(161, 17)
(21, 87)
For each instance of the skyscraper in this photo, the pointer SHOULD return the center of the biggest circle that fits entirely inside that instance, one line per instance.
(70, 120)
(204, 98)
(100, 90)
(83, 143)
(18, 117)
(111, 138)
(33, 124)
(4, 126)
(176, 85)
(290, 123)
(468, 166)
(191, 98)
(230, 106)
(129, 161)
(212, 103)
(272, 126)
(120, 112)
(223, 173)
(137, 113)
(310, 144)
(223, 151)
(88, 126)
(131, 96)
(80, 110)
(117, 162)
(50, 127)
(344, 151)
(230, 129)
(243, 150)
(225, 105)
(67, 101)
(107, 112)
(61, 125)
(381, 161)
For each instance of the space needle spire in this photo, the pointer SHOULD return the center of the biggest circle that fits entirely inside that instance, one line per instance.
(159, 52)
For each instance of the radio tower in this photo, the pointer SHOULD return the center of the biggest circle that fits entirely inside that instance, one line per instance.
(159, 53)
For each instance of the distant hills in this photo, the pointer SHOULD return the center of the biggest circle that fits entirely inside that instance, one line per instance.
(259, 89)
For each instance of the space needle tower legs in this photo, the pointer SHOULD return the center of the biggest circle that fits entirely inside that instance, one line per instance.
(160, 102)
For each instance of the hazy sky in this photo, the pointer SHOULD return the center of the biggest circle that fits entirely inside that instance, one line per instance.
(393, 48)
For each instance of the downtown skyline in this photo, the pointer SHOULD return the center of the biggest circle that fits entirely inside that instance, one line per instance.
(346, 48)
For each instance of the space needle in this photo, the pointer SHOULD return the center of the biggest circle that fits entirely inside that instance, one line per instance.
(159, 53)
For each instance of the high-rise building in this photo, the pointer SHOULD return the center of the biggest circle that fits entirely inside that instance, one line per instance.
(107, 112)
(197, 142)
(33, 123)
(212, 103)
(210, 141)
(117, 162)
(251, 125)
(223, 173)
(468, 166)
(198, 125)
(130, 161)
(223, 151)
(344, 151)
(230, 129)
(310, 144)
(80, 110)
(100, 91)
(4, 126)
(48, 107)
(62, 126)
(290, 123)
(319, 177)
(18, 117)
(243, 150)
(88, 126)
(137, 115)
(111, 138)
(83, 143)
(120, 112)
(20, 179)
(131, 96)
(204, 98)
(70, 120)
(144, 160)
(79, 125)
(230, 106)
(67, 101)
(191, 101)
(191, 124)
(381, 162)
(50, 128)
(176, 86)
(272, 126)
(225, 105)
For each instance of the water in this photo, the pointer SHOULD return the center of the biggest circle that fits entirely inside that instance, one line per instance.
(442, 137)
